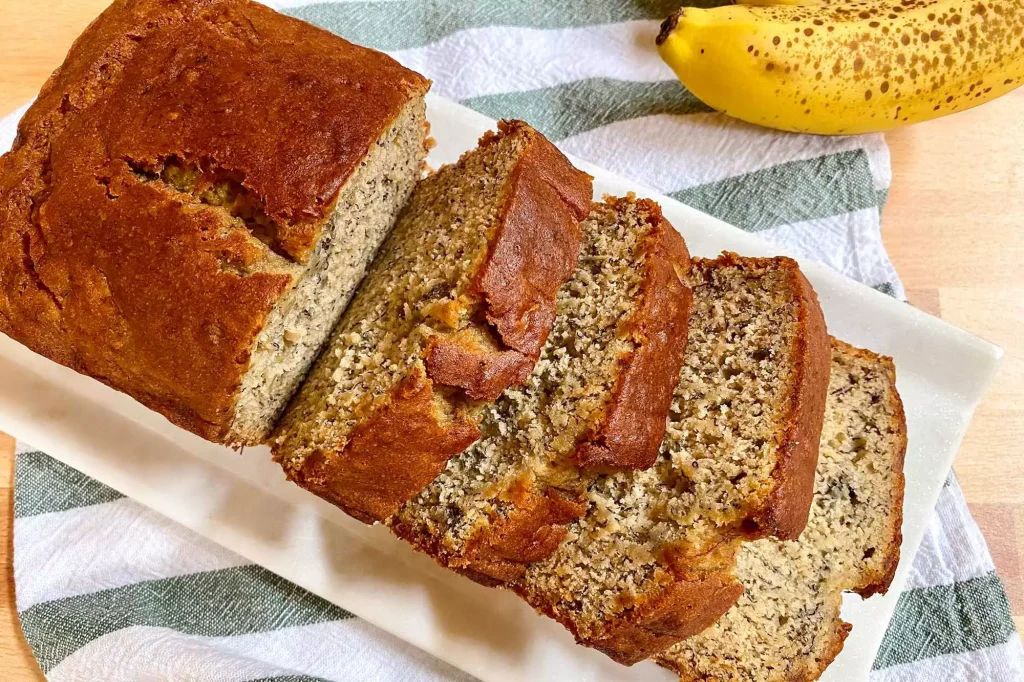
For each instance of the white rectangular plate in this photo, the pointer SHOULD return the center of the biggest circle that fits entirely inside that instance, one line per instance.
(244, 503)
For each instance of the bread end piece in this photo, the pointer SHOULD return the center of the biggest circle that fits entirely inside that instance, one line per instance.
(879, 578)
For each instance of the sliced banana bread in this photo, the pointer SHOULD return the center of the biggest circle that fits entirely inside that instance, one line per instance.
(598, 396)
(193, 198)
(786, 627)
(455, 309)
(651, 562)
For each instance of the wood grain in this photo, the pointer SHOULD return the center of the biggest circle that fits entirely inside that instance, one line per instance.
(16, 660)
(954, 226)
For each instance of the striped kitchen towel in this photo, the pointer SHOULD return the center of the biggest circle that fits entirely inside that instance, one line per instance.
(109, 590)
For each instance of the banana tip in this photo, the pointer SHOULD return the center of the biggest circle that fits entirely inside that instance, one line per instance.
(669, 25)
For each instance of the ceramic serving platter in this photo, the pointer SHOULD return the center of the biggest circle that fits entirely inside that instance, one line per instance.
(243, 502)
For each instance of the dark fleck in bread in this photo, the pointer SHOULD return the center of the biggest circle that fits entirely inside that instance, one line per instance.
(787, 627)
(599, 395)
(651, 562)
(455, 309)
(192, 199)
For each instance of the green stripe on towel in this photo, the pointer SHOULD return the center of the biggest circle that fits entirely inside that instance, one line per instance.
(566, 110)
(886, 288)
(223, 603)
(947, 619)
(43, 485)
(402, 24)
(788, 193)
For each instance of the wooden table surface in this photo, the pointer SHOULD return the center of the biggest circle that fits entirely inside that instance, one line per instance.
(954, 226)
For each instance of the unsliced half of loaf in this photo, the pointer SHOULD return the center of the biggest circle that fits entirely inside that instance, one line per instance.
(193, 198)
(651, 562)
(598, 397)
(455, 309)
(787, 627)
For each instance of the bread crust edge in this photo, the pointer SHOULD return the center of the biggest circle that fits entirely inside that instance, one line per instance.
(784, 514)
(369, 477)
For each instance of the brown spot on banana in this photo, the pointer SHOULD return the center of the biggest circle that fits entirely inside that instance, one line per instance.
(931, 49)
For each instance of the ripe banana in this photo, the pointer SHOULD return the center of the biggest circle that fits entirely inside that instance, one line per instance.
(780, 2)
(847, 68)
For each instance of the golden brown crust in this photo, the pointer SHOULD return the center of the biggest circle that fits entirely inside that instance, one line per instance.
(482, 370)
(532, 532)
(634, 423)
(685, 603)
(784, 515)
(370, 477)
(531, 255)
(536, 247)
(109, 270)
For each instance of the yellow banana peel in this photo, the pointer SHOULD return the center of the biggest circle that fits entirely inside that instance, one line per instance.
(848, 68)
(779, 2)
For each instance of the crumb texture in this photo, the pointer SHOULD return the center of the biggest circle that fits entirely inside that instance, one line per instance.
(298, 326)
(530, 435)
(728, 425)
(786, 626)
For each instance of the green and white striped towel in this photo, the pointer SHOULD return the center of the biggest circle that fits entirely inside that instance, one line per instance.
(109, 590)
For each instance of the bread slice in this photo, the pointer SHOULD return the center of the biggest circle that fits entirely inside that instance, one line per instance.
(598, 396)
(455, 309)
(192, 199)
(651, 562)
(787, 627)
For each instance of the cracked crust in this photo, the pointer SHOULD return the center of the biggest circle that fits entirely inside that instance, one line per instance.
(147, 288)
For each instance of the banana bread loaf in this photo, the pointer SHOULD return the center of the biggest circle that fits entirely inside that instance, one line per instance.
(651, 562)
(192, 199)
(598, 396)
(786, 627)
(455, 309)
